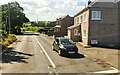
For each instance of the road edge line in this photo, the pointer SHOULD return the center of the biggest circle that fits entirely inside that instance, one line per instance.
(108, 71)
(52, 63)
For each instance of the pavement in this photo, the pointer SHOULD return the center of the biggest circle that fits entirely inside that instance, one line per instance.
(106, 57)
(109, 55)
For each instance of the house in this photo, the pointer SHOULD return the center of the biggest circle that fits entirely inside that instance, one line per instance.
(62, 23)
(96, 24)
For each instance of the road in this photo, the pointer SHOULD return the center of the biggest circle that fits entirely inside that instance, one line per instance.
(33, 53)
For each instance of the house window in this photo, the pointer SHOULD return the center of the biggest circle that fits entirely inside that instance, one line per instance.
(85, 17)
(96, 15)
(77, 20)
(80, 19)
(84, 33)
(75, 32)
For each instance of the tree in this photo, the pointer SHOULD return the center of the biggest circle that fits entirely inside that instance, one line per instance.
(13, 13)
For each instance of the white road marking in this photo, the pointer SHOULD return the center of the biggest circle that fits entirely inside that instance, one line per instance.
(41, 51)
(109, 71)
(50, 72)
(85, 55)
(53, 65)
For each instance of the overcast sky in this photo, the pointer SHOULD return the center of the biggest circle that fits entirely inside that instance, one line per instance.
(49, 10)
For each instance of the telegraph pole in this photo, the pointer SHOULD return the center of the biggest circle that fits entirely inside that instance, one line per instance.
(9, 18)
(37, 18)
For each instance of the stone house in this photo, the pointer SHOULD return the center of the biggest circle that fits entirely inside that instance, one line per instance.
(62, 23)
(96, 24)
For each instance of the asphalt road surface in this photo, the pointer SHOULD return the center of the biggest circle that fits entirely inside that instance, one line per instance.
(33, 53)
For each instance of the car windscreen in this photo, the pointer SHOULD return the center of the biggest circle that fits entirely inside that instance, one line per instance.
(66, 41)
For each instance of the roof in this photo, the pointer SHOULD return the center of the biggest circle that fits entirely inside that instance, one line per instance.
(58, 26)
(61, 38)
(94, 2)
(73, 26)
(63, 17)
(86, 8)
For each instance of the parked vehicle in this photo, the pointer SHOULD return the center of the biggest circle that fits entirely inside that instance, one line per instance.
(64, 46)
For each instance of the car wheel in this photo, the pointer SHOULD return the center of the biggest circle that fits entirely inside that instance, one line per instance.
(76, 52)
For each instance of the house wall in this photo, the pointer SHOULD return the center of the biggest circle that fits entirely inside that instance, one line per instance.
(71, 33)
(105, 31)
(58, 22)
(85, 27)
(66, 22)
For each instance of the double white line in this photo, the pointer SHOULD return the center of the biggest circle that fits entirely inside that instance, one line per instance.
(51, 62)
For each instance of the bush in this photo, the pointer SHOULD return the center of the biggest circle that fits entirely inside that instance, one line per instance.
(6, 39)
(3, 46)
(12, 37)
(6, 43)
(9, 40)
(4, 33)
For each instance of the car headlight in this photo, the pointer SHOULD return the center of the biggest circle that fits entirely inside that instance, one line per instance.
(62, 47)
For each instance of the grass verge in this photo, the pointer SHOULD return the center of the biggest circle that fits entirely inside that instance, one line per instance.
(6, 40)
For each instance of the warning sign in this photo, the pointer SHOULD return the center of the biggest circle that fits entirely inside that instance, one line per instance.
(94, 42)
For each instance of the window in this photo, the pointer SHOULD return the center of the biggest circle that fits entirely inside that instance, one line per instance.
(58, 29)
(85, 17)
(96, 15)
(77, 20)
(75, 32)
(66, 41)
(80, 19)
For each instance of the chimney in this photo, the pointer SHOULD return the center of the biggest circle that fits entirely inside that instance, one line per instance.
(89, 2)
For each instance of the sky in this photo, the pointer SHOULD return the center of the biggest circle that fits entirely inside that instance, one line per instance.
(49, 10)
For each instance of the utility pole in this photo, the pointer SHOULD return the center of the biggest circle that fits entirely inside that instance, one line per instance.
(9, 18)
(37, 18)
(6, 23)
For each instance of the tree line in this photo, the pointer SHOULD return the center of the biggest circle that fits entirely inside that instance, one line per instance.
(40, 26)
(12, 17)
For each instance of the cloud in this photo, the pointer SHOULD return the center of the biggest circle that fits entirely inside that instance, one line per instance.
(60, 15)
(5, 1)
(48, 9)
(44, 10)
(68, 4)
(40, 2)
